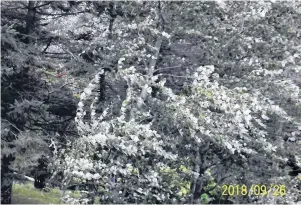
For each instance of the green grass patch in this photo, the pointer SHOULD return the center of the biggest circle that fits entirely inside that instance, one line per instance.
(28, 193)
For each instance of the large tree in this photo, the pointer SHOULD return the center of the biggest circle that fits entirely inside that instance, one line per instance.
(229, 117)
(36, 105)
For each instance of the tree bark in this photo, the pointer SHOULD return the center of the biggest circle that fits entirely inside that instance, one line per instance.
(30, 20)
(6, 180)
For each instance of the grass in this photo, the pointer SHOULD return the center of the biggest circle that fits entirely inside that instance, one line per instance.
(27, 194)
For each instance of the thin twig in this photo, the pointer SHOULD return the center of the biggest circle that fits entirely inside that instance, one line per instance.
(12, 125)
(60, 88)
(177, 76)
(179, 66)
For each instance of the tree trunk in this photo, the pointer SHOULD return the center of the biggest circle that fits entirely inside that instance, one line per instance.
(6, 180)
(30, 20)
(40, 181)
(41, 174)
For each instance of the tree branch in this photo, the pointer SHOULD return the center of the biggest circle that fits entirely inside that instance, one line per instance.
(39, 6)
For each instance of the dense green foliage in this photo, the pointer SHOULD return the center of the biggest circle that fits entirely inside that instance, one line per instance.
(152, 102)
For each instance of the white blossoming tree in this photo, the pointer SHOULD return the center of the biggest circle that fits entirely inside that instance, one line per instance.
(162, 146)
(123, 156)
